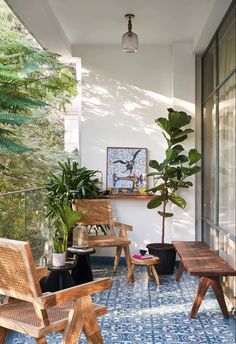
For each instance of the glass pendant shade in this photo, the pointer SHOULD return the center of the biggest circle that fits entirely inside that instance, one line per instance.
(130, 39)
(130, 42)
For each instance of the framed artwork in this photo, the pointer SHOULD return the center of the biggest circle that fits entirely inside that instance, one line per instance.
(126, 170)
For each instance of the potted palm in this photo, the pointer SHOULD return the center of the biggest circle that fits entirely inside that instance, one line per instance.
(64, 219)
(71, 182)
(171, 175)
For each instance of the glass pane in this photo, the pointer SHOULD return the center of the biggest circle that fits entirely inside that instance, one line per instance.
(209, 71)
(227, 153)
(227, 39)
(209, 113)
(211, 236)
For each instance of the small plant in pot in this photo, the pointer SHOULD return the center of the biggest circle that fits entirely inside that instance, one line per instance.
(64, 219)
(170, 176)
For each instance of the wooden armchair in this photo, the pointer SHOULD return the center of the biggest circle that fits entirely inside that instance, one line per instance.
(30, 312)
(99, 212)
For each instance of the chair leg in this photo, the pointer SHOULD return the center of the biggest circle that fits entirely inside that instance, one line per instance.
(3, 334)
(91, 327)
(117, 257)
(74, 325)
(82, 316)
(41, 340)
(155, 274)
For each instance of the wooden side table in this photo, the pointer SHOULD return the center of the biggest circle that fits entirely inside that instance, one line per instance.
(149, 263)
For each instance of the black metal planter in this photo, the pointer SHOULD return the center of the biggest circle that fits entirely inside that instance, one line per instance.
(167, 255)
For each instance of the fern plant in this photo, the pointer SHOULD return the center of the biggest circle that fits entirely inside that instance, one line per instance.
(28, 76)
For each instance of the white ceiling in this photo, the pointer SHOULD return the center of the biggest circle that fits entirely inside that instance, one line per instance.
(62, 25)
(156, 21)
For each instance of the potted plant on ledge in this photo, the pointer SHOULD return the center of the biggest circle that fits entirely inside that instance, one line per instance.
(171, 175)
(64, 219)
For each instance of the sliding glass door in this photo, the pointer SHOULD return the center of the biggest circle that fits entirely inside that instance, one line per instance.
(219, 143)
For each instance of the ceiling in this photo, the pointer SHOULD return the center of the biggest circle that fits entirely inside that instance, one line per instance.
(156, 21)
(61, 25)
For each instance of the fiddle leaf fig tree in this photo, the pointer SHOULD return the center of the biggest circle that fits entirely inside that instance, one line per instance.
(172, 174)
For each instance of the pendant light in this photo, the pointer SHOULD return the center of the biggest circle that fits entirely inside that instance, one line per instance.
(130, 39)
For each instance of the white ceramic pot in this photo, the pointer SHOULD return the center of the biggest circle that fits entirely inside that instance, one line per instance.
(58, 259)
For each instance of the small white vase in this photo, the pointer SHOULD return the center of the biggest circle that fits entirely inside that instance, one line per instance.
(58, 259)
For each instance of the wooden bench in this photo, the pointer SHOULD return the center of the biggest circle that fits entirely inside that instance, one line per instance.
(198, 259)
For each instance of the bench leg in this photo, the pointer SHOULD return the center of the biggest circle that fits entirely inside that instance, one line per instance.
(204, 283)
(216, 286)
(202, 289)
(117, 257)
(180, 271)
(3, 334)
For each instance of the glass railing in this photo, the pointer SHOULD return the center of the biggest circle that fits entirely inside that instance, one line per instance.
(23, 217)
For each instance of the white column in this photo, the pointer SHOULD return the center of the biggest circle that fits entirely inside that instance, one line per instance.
(73, 113)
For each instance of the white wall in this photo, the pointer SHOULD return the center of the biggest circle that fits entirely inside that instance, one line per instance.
(122, 94)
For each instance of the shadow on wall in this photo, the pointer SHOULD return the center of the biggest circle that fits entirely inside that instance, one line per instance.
(115, 112)
(118, 114)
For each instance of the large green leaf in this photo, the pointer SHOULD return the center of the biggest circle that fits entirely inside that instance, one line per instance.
(179, 201)
(13, 119)
(164, 124)
(165, 214)
(179, 133)
(178, 119)
(155, 202)
(193, 170)
(180, 160)
(194, 156)
(171, 154)
(13, 147)
(154, 164)
(179, 139)
(156, 188)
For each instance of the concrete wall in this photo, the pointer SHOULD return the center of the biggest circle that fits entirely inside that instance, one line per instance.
(122, 94)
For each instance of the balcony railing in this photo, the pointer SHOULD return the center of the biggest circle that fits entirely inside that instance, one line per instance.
(23, 217)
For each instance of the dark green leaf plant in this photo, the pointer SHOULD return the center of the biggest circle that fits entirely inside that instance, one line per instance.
(64, 220)
(173, 173)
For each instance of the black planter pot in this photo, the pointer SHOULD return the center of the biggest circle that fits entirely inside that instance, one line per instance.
(167, 255)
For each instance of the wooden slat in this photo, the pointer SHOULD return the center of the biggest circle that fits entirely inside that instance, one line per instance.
(97, 212)
(107, 241)
(201, 260)
(73, 293)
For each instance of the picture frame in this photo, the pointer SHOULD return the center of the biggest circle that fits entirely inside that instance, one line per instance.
(126, 170)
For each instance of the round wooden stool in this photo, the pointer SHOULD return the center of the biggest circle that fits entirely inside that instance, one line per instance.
(149, 263)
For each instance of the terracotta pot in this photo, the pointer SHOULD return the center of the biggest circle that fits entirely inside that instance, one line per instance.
(58, 259)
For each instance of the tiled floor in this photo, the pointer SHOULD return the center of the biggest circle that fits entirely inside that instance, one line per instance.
(142, 313)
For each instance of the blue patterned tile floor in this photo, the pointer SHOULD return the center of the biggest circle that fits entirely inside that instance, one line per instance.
(141, 312)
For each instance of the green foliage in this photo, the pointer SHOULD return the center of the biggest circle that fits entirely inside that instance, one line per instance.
(171, 174)
(72, 182)
(22, 217)
(29, 78)
(65, 219)
(34, 86)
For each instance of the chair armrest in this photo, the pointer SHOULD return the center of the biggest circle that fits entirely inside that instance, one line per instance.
(70, 294)
(123, 226)
(41, 272)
